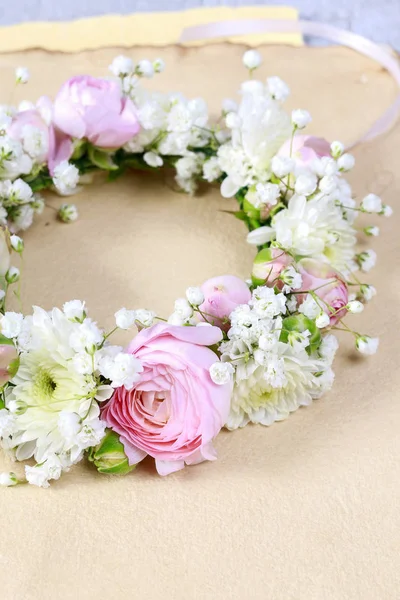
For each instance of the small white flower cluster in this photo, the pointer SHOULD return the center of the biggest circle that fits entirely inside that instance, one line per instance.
(142, 317)
(23, 152)
(171, 125)
(23, 148)
(66, 368)
(66, 178)
(14, 160)
(18, 204)
(125, 68)
(185, 308)
(278, 365)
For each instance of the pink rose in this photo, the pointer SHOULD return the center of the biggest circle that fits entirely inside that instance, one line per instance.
(305, 149)
(328, 284)
(175, 411)
(94, 109)
(221, 296)
(57, 145)
(268, 265)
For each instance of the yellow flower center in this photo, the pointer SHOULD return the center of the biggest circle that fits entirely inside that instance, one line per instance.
(43, 386)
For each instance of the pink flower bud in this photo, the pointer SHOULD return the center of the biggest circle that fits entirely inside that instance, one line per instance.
(8, 362)
(305, 149)
(328, 284)
(221, 296)
(268, 265)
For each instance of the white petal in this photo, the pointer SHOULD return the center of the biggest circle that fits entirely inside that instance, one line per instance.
(165, 467)
(229, 188)
(261, 235)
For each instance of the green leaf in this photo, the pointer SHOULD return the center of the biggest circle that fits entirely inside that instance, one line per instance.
(116, 174)
(5, 341)
(239, 214)
(101, 159)
(80, 147)
(300, 323)
(41, 182)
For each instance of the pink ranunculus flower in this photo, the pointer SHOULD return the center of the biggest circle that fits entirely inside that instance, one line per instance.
(221, 296)
(95, 109)
(305, 149)
(329, 286)
(268, 265)
(56, 146)
(175, 411)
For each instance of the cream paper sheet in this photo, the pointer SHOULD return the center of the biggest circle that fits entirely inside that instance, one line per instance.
(307, 509)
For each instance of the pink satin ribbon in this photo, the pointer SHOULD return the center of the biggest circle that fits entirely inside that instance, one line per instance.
(345, 38)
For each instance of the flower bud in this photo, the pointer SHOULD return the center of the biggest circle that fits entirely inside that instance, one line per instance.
(371, 204)
(252, 59)
(367, 345)
(337, 149)
(38, 204)
(121, 66)
(158, 65)
(21, 75)
(268, 265)
(372, 230)
(8, 479)
(221, 373)
(183, 308)
(301, 323)
(75, 311)
(68, 213)
(124, 319)
(346, 162)
(354, 306)
(301, 118)
(144, 318)
(145, 68)
(367, 292)
(387, 211)
(17, 407)
(12, 275)
(195, 296)
(278, 88)
(16, 243)
(322, 320)
(109, 456)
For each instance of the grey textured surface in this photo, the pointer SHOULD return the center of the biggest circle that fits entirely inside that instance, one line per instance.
(377, 19)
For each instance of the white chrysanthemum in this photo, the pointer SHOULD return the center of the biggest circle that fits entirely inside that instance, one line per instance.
(268, 393)
(46, 386)
(316, 228)
(262, 128)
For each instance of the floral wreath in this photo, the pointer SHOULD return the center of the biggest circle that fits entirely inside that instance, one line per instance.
(233, 352)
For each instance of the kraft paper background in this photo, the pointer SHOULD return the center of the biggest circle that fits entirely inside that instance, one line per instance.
(307, 509)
